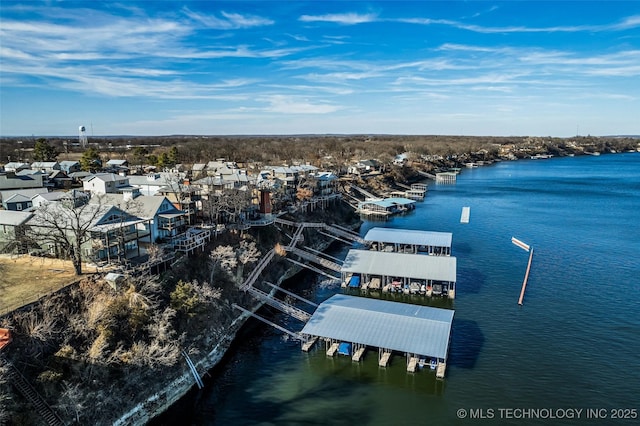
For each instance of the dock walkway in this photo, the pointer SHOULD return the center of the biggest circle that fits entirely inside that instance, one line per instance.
(384, 359)
(280, 305)
(333, 349)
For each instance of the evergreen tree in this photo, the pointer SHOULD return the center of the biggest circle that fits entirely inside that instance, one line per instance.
(90, 160)
(44, 152)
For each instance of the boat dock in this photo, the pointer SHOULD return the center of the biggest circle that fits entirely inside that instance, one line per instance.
(419, 332)
(464, 216)
(409, 241)
(401, 272)
(383, 357)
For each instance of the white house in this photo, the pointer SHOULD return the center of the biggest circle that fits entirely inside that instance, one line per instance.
(105, 183)
(45, 166)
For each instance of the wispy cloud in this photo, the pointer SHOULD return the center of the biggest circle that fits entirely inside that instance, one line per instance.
(285, 104)
(228, 21)
(341, 18)
(628, 23)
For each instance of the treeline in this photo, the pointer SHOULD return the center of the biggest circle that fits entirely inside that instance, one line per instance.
(316, 149)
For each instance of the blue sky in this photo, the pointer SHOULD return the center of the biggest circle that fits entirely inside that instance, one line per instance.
(419, 67)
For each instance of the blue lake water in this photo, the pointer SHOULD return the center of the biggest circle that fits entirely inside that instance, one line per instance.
(573, 345)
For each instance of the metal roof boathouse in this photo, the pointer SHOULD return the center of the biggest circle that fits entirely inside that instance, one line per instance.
(400, 272)
(410, 241)
(422, 333)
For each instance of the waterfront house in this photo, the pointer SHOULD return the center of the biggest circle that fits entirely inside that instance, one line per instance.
(162, 220)
(12, 231)
(385, 207)
(107, 232)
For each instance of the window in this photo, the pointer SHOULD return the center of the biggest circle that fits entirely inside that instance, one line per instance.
(19, 206)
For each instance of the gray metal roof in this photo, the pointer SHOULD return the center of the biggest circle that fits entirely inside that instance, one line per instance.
(404, 236)
(14, 218)
(419, 266)
(398, 326)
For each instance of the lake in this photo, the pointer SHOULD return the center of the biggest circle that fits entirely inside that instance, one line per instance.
(573, 346)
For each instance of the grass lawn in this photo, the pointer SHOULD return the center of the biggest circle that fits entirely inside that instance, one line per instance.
(24, 279)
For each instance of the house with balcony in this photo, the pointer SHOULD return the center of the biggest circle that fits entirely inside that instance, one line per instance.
(162, 220)
(12, 231)
(107, 232)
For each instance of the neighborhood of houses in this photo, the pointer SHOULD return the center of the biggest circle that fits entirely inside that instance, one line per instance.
(115, 215)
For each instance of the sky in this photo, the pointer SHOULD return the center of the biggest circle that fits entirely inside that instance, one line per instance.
(511, 68)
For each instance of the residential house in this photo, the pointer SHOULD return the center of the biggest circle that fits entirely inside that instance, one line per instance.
(105, 183)
(108, 233)
(70, 166)
(74, 197)
(162, 220)
(364, 167)
(28, 193)
(117, 166)
(326, 184)
(35, 172)
(151, 183)
(17, 202)
(45, 166)
(16, 166)
(198, 170)
(11, 181)
(12, 231)
(60, 180)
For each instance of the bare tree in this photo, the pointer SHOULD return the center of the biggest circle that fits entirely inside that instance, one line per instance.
(247, 252)
(65, 228)
(224, 257)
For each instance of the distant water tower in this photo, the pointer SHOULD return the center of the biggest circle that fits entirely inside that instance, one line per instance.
(82, 138)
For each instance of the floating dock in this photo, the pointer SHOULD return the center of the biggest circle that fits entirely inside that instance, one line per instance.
(464, 217)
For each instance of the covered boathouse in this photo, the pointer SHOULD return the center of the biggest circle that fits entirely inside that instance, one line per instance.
(400, 272)
(409, 241)
(355, 324)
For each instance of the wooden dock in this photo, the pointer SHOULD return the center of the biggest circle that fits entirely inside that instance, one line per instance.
(358, 354)
(384, 359)
(442, 366)
(333, 349)
(306, 346)
(413, 364)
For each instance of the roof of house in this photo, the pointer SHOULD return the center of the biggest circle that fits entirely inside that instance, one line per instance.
(29, 192)
(13, 218)
(17, 198)
(69, 163)
(143, 206)
(44, 164)
(116, 162)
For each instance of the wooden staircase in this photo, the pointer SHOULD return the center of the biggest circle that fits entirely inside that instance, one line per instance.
(24, 387)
